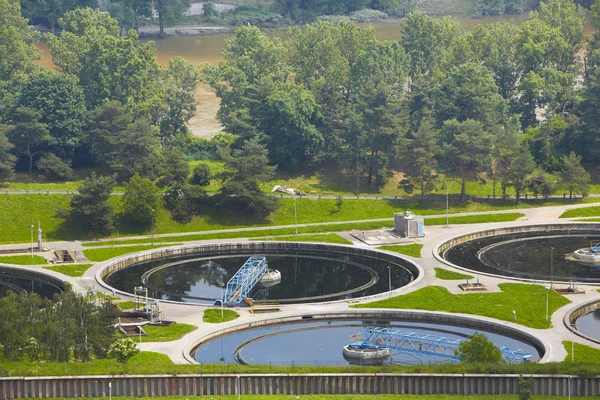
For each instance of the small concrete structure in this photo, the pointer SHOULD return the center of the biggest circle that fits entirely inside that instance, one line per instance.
(409, 225)
(271, 278)
(586, 257)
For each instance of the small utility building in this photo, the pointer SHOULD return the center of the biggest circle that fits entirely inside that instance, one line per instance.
(408, 225)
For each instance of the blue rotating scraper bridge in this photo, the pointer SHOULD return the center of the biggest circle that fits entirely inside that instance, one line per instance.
(426, 345)
(241, 284)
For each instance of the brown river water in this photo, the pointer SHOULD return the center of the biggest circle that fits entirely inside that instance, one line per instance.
(207, 49)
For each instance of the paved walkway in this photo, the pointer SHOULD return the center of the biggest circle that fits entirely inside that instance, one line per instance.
(192, 314)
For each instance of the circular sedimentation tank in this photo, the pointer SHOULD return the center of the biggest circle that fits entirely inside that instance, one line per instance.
(299, 273)
(327, 340)
(536, 253)
(17, 280)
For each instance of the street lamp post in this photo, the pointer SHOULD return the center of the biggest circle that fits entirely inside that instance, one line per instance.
(572, 344)
(238, 386)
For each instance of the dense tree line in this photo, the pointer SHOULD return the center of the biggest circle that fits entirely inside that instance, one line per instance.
(108, 104)
(503, 102)
(59, 330)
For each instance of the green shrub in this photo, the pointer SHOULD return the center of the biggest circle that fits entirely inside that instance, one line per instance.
(367, 15)
(123, 350)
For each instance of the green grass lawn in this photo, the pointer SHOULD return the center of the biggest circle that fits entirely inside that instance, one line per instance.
(23, 260)
(529, 301)
(17, 212)
(323, 238)
(166, 333)
(448, 275)
(582, 212)
(70, 269)
(103, 254)
(475, 219)
(412, 250)
(583, 353)
(213, 315)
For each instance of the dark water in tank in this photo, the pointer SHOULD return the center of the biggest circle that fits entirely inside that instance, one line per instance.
(17, 283)
(589, 324)
(535, 255)
(306, 277)
(321, 343)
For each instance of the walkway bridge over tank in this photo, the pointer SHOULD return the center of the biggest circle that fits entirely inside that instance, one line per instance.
(241, 284)
(426, 345)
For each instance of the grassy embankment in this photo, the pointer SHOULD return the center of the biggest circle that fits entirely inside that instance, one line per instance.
(74, 270)
(17, 212)
(412, 250)
(448, 275)
(23, 260)
(213, 315)
(529, 302)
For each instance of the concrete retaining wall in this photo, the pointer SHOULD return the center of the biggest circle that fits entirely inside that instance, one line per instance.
(199, 385)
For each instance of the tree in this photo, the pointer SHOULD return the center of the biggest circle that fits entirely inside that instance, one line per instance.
(290, 113)
(181, 80)
(479, 349)
(339, 202)
(202, 175)
(190, 202)
(7, 159)
(574, 177)
(511, 159)
(123, 145)
(420, 157)
(173, 167)
(90, 208)
(54, 168)
(108, 66)
(171, 12)
(241, 191)
(61, 103)
(427, 41)
(129, 12)
(18, 49)
(466, 150)
(29, 134)
(541, 182)
(141, 201)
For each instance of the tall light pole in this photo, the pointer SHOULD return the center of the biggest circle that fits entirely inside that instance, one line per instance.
(238, 386)
(572, 344)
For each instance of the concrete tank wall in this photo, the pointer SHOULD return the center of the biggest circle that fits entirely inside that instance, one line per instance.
(199, 385)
